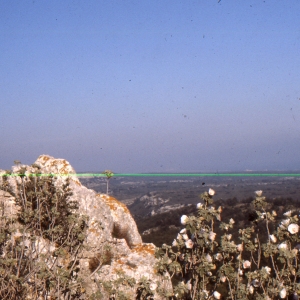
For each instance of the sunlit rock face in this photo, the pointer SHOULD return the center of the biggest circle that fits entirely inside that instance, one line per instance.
(112, 235)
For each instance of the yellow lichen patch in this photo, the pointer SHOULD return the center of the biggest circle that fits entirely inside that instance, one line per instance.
(144, 248)
(113, 203)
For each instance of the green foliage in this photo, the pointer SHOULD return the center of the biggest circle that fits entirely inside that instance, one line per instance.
(109, 174)
(39, 245)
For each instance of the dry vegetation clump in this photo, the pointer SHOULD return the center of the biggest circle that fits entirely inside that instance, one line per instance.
(262, 264)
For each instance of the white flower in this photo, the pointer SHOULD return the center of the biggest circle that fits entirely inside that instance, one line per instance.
(293, 228)
(218, 256)
(209, 273)
(185, 237)
(268, 270)
(184, 219)
(251, 289)
(246, 264)
(273, 238)
(153, 286)
(174, 244)
(231, 221)
(217, 295)
(211, 192)
(189, 244)
(229, 236)
(239, 247)
(183, 230)
(199, 205)
(282, 246)
(240, 272)
(274, 213)
(208, 258)
(179, 237)
(282, 293)
(212, 236)
(258, 193)
(288, 213)
(223, 278)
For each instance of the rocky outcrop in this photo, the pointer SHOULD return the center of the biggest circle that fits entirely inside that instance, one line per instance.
(112, 249)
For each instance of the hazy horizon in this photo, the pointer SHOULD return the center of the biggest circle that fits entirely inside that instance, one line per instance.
(151, 86)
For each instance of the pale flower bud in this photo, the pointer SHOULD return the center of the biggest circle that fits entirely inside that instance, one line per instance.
(251, 289)
(223, 278)
(211, 192)
(212, 236)
(189, 285)
(185, 237)
(240, 272)
(229, 236)
(189, 244)
(288, 213)
(208, 258)
(246, 264)
(274, 213)
(239, 247)
(184, 219)
(282, 246)
(273, 238)
(258, 193)
(174, 244)
(282, 293)
(183, 230)
(231, 221)
(218, 256)
(217, 295)
(268, 270)
(199, 205)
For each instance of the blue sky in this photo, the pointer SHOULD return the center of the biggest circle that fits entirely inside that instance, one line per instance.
(150, 86)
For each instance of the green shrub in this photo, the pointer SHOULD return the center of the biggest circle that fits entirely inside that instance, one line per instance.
(263, 265)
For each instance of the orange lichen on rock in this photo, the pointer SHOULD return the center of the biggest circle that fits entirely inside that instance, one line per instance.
(95, 231)
(113, 203)
(76, 181)
(145, 248)
(44, 158)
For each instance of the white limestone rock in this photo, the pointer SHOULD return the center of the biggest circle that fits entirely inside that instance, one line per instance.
(111, 231)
